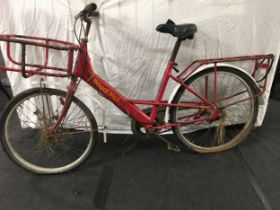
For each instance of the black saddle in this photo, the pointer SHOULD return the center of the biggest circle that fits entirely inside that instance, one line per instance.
(182, 31)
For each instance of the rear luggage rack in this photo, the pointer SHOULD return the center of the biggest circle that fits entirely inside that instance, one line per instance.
(261, 67)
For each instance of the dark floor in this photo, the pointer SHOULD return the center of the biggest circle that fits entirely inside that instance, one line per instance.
(152, 178)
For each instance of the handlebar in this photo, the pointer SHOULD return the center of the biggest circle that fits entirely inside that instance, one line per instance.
(88, 11)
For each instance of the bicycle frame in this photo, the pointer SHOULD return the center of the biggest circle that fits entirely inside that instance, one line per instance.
(85, 71)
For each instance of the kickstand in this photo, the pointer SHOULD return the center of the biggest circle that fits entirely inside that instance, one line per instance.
(170, 146)
(128, 144)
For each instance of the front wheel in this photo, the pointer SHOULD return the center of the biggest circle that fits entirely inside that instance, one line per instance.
(235, 101)
(26, 139)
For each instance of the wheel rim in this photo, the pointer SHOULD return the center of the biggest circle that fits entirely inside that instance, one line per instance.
(233, 121)
(34, 148)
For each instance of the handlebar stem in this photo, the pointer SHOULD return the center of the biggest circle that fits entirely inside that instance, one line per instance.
(87, 27)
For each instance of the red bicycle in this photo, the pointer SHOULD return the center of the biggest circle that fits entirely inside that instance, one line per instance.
(212, 109)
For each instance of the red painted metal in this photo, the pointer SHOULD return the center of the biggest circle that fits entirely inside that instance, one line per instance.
(120, 100)
(83, 69)
(197, 63)
(46, 44)
(162, 88)
(209, 103)
(215, 84)
(34, 72)
(231, 96)
(168, 125)
(192, 104)
(191, 115)
(67, 103)
(239, 101)
(32, 40)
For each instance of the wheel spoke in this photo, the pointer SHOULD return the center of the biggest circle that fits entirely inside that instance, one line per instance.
(237, 111)
(27, 137)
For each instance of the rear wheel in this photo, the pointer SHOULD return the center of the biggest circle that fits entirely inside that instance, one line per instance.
(234, 122)
(26, 140)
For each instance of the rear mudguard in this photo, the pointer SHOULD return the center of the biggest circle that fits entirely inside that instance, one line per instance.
(203, 68)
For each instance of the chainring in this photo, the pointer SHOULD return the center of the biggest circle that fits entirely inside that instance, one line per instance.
(138, 129)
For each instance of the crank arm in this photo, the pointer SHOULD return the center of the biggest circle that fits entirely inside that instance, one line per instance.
(170, 146)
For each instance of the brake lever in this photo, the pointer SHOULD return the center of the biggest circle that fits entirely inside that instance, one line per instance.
(93, 14)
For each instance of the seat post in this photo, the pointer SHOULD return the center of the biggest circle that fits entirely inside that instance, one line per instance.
(175, 50)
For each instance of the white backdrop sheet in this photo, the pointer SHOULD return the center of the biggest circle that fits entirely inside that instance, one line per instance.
(128, 52)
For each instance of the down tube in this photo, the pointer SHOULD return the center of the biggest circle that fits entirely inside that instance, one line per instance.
(118, 99)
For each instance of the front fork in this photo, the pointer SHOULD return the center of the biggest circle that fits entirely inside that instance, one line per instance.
(66, 104)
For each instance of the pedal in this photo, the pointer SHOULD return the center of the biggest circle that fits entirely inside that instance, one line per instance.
(173, 147)
(170, 146)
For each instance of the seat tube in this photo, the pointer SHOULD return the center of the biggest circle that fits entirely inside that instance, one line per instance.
(166, 77)
(168, 70)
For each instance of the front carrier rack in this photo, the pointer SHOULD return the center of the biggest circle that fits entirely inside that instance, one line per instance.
(44, 69)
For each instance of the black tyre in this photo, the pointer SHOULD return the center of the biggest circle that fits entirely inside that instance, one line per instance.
(24, 136)
(235, 121)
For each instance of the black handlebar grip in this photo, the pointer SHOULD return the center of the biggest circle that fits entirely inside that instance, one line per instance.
(90, 8)
(87, 10)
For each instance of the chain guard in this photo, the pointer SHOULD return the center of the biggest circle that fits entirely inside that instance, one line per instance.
(138, 129)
